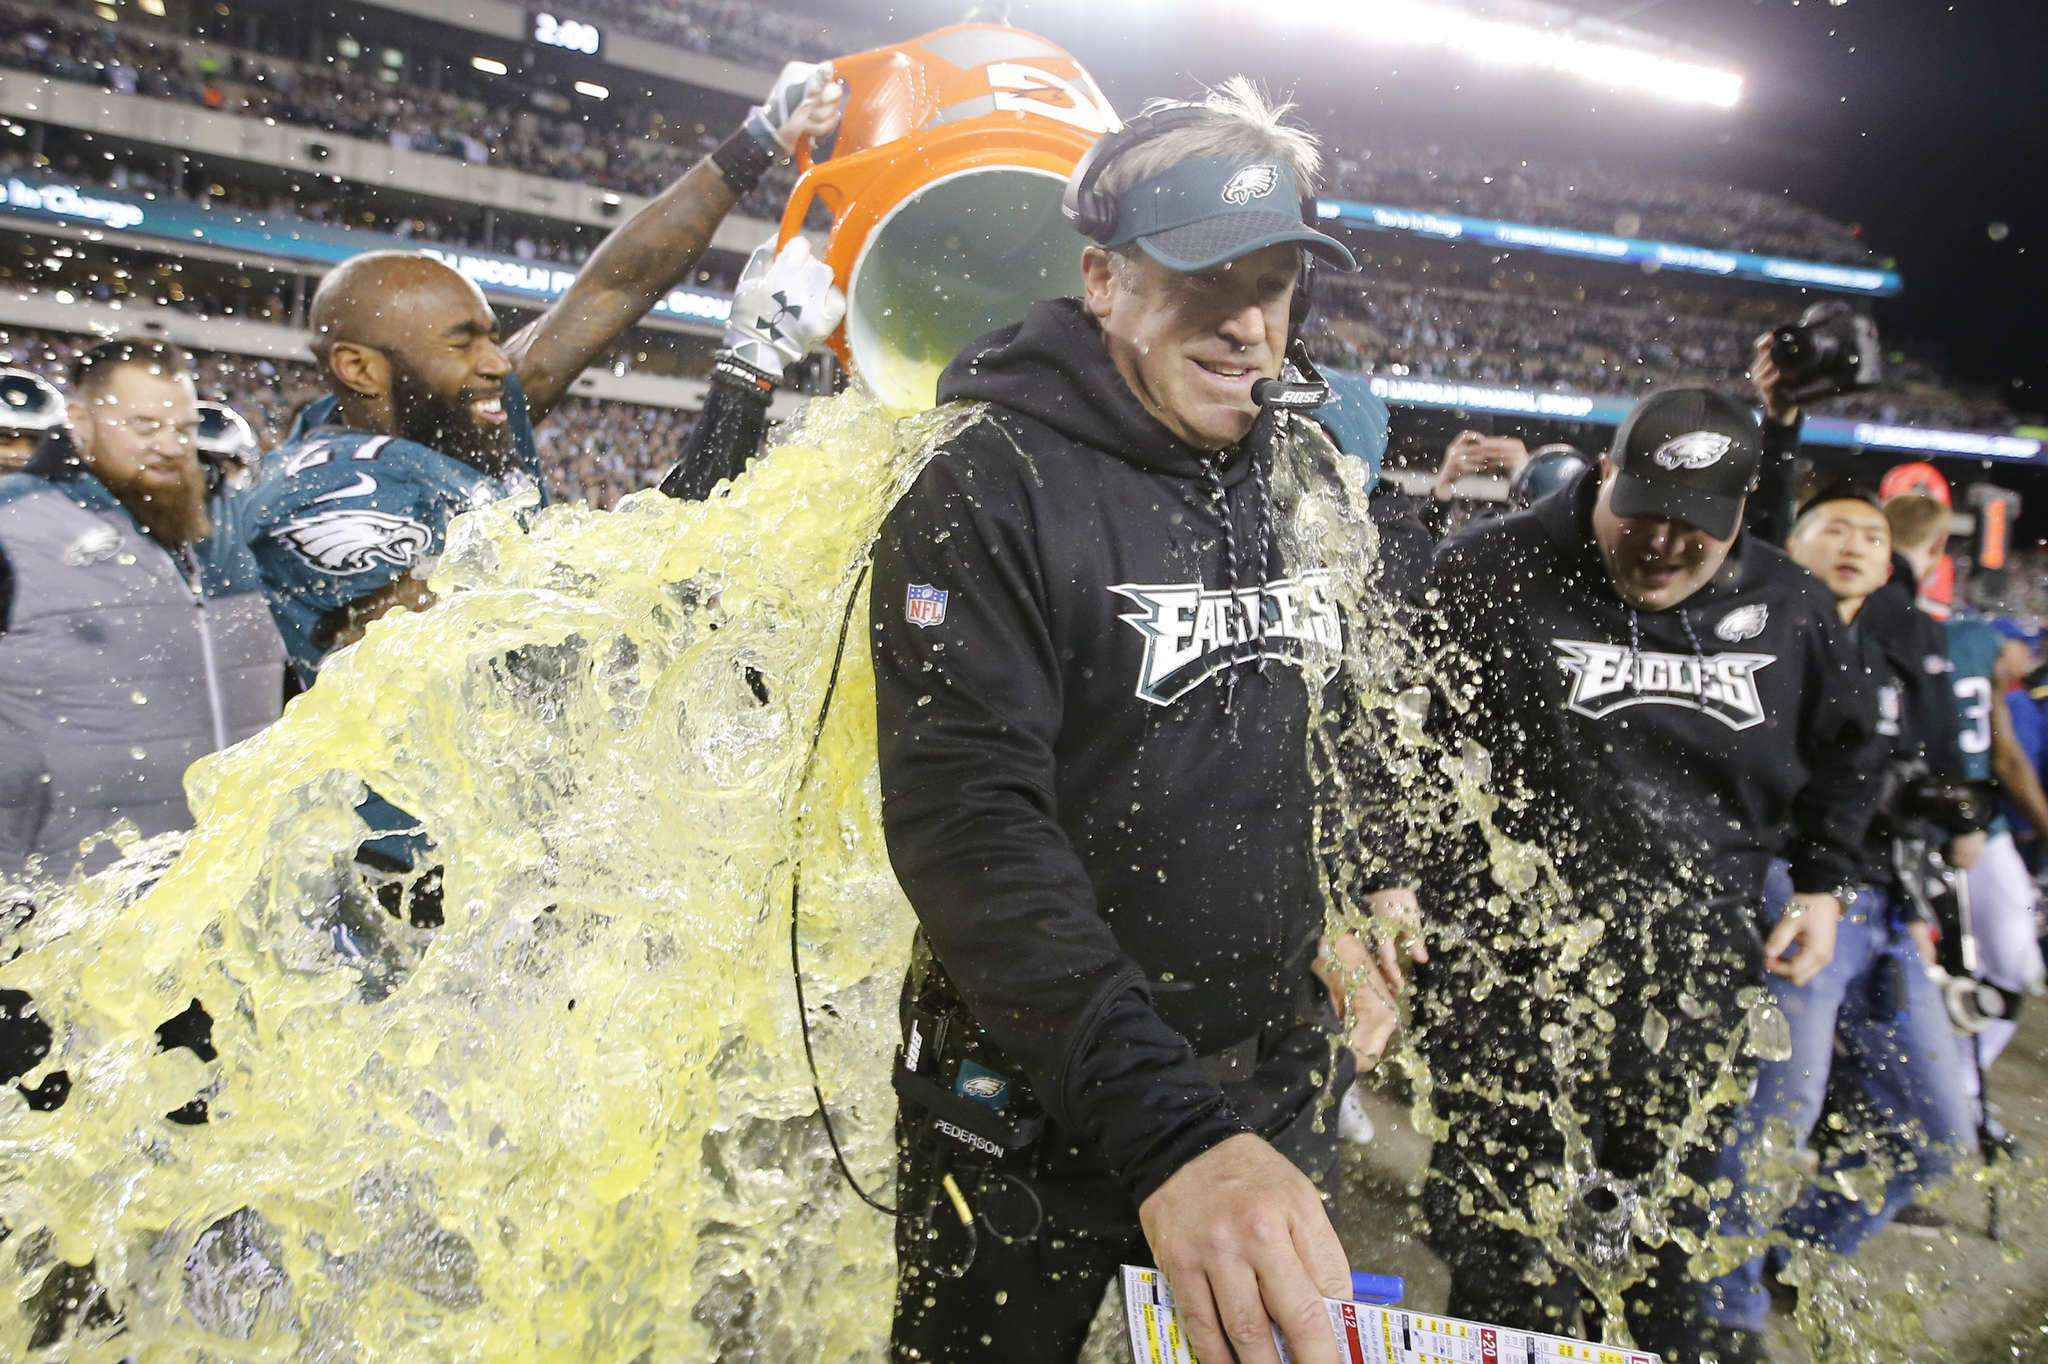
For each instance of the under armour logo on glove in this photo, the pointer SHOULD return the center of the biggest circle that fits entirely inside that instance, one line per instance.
(771, 325)
(785, 304)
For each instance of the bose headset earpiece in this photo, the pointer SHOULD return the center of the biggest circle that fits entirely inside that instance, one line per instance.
(1087, 208)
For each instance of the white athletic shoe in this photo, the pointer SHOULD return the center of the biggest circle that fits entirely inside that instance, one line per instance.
(1353, 1123)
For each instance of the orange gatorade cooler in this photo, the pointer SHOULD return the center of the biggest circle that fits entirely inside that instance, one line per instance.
(944, 183)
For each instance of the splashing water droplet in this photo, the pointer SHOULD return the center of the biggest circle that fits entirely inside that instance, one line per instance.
(1770, 1032)
(1656, 1030)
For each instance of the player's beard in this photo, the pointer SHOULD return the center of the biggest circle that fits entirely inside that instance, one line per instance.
(445, 422)
(174, 516)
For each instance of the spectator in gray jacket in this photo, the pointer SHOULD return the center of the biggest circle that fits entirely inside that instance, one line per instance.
(132, 640)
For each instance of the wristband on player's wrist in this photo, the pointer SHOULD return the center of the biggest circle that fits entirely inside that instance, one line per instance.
(745, 156)
(729, 370)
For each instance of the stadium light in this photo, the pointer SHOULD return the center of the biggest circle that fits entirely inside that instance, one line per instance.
(489, 65)
(1551, 47)
(592, 89)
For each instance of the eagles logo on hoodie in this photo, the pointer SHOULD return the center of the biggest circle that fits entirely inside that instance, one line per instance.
(1192, 632)
(1611, 677)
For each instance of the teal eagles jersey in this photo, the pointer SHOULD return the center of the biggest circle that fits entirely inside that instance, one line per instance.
(341, 513)
(1973, 646)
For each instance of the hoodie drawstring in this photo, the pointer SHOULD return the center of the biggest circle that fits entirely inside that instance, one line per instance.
(1635, 652)
(1699, 656)
(1253, 635)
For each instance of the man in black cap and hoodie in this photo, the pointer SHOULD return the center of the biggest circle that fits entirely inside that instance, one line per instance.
(1095, 666)
(1667, 705)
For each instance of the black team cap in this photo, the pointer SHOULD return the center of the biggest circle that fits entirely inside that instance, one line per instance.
(1686, 454)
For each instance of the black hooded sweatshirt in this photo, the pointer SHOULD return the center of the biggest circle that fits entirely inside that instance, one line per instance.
(1740, 722)
(1094, 792)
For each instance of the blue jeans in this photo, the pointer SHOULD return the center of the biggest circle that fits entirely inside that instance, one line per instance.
(1902, 1066)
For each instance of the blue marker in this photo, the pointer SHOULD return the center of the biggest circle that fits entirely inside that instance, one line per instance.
(1377, 1289)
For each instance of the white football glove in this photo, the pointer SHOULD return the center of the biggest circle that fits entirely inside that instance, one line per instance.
(784, 306)
(805, 101)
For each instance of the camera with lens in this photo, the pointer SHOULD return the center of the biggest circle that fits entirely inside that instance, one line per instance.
(1973, 1003)
(1831, 350)
(1944, 804)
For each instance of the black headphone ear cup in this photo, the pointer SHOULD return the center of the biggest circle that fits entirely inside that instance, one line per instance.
(1088, 209)
(1095, 214)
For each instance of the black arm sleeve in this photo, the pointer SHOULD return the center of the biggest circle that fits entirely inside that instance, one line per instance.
(1768, 514)
(969, 710)
(727, 435)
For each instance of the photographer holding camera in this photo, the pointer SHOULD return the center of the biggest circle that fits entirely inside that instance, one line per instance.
(1876, 1000)
(1831, 351)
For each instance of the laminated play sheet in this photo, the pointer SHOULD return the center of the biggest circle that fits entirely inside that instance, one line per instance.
(1368, 1334)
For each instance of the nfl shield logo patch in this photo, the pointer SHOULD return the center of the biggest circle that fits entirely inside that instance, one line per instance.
(925, 605)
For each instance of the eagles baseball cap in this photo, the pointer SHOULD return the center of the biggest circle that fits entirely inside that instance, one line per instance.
(1201, 213)
(1686, 454)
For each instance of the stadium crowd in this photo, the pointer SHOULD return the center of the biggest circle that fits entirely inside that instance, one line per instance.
(1590, 198)
(759, 35)
(637, 148)
(628, 146)
(1593, 347)
(1527, 331)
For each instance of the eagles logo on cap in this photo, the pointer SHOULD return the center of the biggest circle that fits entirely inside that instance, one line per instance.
(1253, 182)
(1693, 450)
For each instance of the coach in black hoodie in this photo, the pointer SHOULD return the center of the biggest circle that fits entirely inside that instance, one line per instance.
(1668, 705)
(1093, 667)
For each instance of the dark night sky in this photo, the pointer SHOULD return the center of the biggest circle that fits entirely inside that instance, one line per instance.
(1939, 129)
(1921, 120)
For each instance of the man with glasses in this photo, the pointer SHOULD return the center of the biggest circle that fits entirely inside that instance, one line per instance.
(132, 640)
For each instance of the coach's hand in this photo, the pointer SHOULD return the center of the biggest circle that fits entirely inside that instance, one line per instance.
(1809, 922)
(1244, 1242)
(1363, 983)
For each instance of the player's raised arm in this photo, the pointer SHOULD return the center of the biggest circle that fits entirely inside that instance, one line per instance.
(655, 250)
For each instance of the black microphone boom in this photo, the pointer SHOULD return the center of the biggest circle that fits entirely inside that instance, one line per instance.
(1300, 385)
